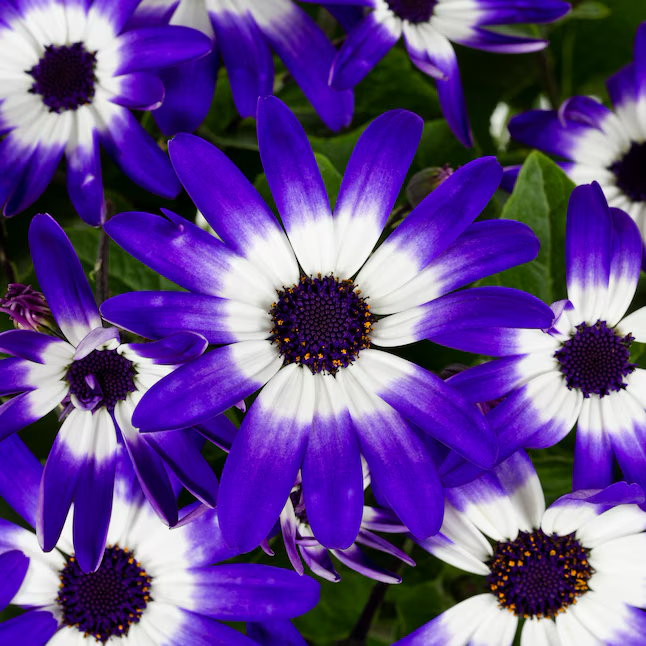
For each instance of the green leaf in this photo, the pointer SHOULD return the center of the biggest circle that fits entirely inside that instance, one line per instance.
(539, 200)
(125, 274)
(589, 10)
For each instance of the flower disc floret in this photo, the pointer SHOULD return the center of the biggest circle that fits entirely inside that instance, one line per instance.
(104, 603)
(596, 359)
(64, 77)
(102, 378)
(537, 575)
(322, 323)
(629, 172)
(415, 11)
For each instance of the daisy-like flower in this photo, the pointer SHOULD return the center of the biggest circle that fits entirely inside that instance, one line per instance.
(69, 72)
(574, 572)
(600, 144)
(153, 586)
(305, 333)
(578, 370)
(244, 33)
(428, 28)
(98, 381)
(298, 538)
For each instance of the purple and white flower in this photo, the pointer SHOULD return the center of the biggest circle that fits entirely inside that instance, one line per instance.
(303, 334)
(98, 381)
(575, 572)
(602, 145)
(244, 33)
(152, 587)
(578, 370)
(428, 28)
(299, 538)
(69, 73)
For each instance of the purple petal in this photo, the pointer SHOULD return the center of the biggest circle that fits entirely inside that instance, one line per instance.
(62, 473)
(195, 628)
(431, 404)
(151, 48)
(431, 227)
(622, 87)
(307, 54)
(371, 183)
(185, 254)
(275, 633)
(139, 90)
(23, 409)
(222, 193)
(318, 560)
(467, 310)
(207, 545)
(246, 592)
(34, 627)
(155, 315)
(207, 386)
(18, 464)
(218, 430)
(265, 457)
(117, 13)
(593, 457)
(37, 174)
(296, 185)
(367, 43)
(83, 172)
(588, 251)
(148, 466)
(398, 461)
(62, 280)
(331, 473)
(137, 154)
(246, 57)
(194, 79)
(624, 265)
(16, 376)
(187, 463)
(93, 508)
(31, 345)
(356, 560)
(93, 339)
(492, 41)
(544, 130)
(179, 347)
(378, 543)
(433, 54)
(508, 12)
(13, 565)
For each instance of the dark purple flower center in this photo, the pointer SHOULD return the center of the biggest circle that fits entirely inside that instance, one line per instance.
(64, 77)
(538, 575)
(414, 11)
(101, 379)
(106, 602)
(630, 174)
(321, 323)
(596, 359)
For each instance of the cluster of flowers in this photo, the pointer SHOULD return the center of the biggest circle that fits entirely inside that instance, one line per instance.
(304, 312)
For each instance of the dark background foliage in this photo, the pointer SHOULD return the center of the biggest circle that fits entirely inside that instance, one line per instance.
(592, 42)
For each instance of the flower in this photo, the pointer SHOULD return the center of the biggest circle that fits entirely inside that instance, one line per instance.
(297, 533)
(428, 27)
(575, 572)
(578, 370)
(244, 32)
(26, 307)
(153, 586)
(99, 381)
(305, 334)
(69, 73)
(601, 145)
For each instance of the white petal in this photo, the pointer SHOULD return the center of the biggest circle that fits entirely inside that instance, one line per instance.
(622, 520)
(634, 324)
(539, 632)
